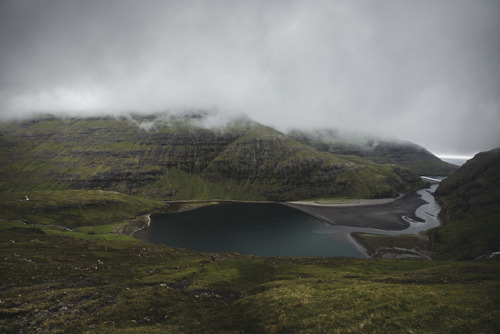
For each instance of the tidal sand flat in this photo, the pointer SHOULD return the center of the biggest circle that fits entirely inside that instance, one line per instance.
(384, 216)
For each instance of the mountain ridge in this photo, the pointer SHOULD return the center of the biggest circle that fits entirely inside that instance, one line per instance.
(178, 158)
(404, 153)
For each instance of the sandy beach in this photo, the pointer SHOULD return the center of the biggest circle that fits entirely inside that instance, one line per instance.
(385, 214)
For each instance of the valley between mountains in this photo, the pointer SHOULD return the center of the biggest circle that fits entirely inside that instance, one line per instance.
(69, 184)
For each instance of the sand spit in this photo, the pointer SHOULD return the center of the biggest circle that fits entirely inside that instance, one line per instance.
(367, 213)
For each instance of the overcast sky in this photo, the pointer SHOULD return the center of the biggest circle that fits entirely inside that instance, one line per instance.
(425, 71)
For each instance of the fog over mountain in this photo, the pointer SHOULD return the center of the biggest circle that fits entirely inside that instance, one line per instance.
(424, 71)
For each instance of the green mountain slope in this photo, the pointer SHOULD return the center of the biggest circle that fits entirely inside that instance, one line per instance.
(268, 162)
(412, 156)
(470, 211)
(178, 158)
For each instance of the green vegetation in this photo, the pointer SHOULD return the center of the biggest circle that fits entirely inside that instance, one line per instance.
(57, 284)
(74, 208)
(68, 263)
(91, 279)
(177, 159)
(470, 212)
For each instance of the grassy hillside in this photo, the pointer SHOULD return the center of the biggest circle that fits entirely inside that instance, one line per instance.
(414, 157)
(56, 284)
(178, 158)
(79, 213)
(470, 212)
(268, 162)
(67, 264)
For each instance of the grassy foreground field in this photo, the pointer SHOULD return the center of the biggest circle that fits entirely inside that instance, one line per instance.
(57, 284)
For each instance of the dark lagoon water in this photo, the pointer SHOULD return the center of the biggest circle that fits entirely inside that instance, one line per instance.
(269, 229)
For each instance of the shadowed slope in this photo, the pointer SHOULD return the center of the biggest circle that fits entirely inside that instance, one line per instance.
(471, 212)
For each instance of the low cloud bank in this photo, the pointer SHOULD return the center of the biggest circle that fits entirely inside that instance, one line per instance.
(426, 71)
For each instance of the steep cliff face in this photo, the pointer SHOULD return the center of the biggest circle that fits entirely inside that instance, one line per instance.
(179, 159)
(414, 157)
(470, 212)
(268, 162)
(105, 154)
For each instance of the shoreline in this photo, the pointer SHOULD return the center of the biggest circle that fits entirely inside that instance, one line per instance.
(390, 220)
(415, 244)
(323, 212)
(360, 202)
(396, 216)
(399, 246)
(143, 221)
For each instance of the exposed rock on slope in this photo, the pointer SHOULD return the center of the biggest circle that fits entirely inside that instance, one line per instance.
(179, 159)
(470, 213)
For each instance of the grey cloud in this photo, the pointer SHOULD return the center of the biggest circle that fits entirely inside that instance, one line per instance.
(425, 71)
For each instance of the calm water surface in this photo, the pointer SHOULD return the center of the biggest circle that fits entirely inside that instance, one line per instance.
(248, 228)
(268, 230)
